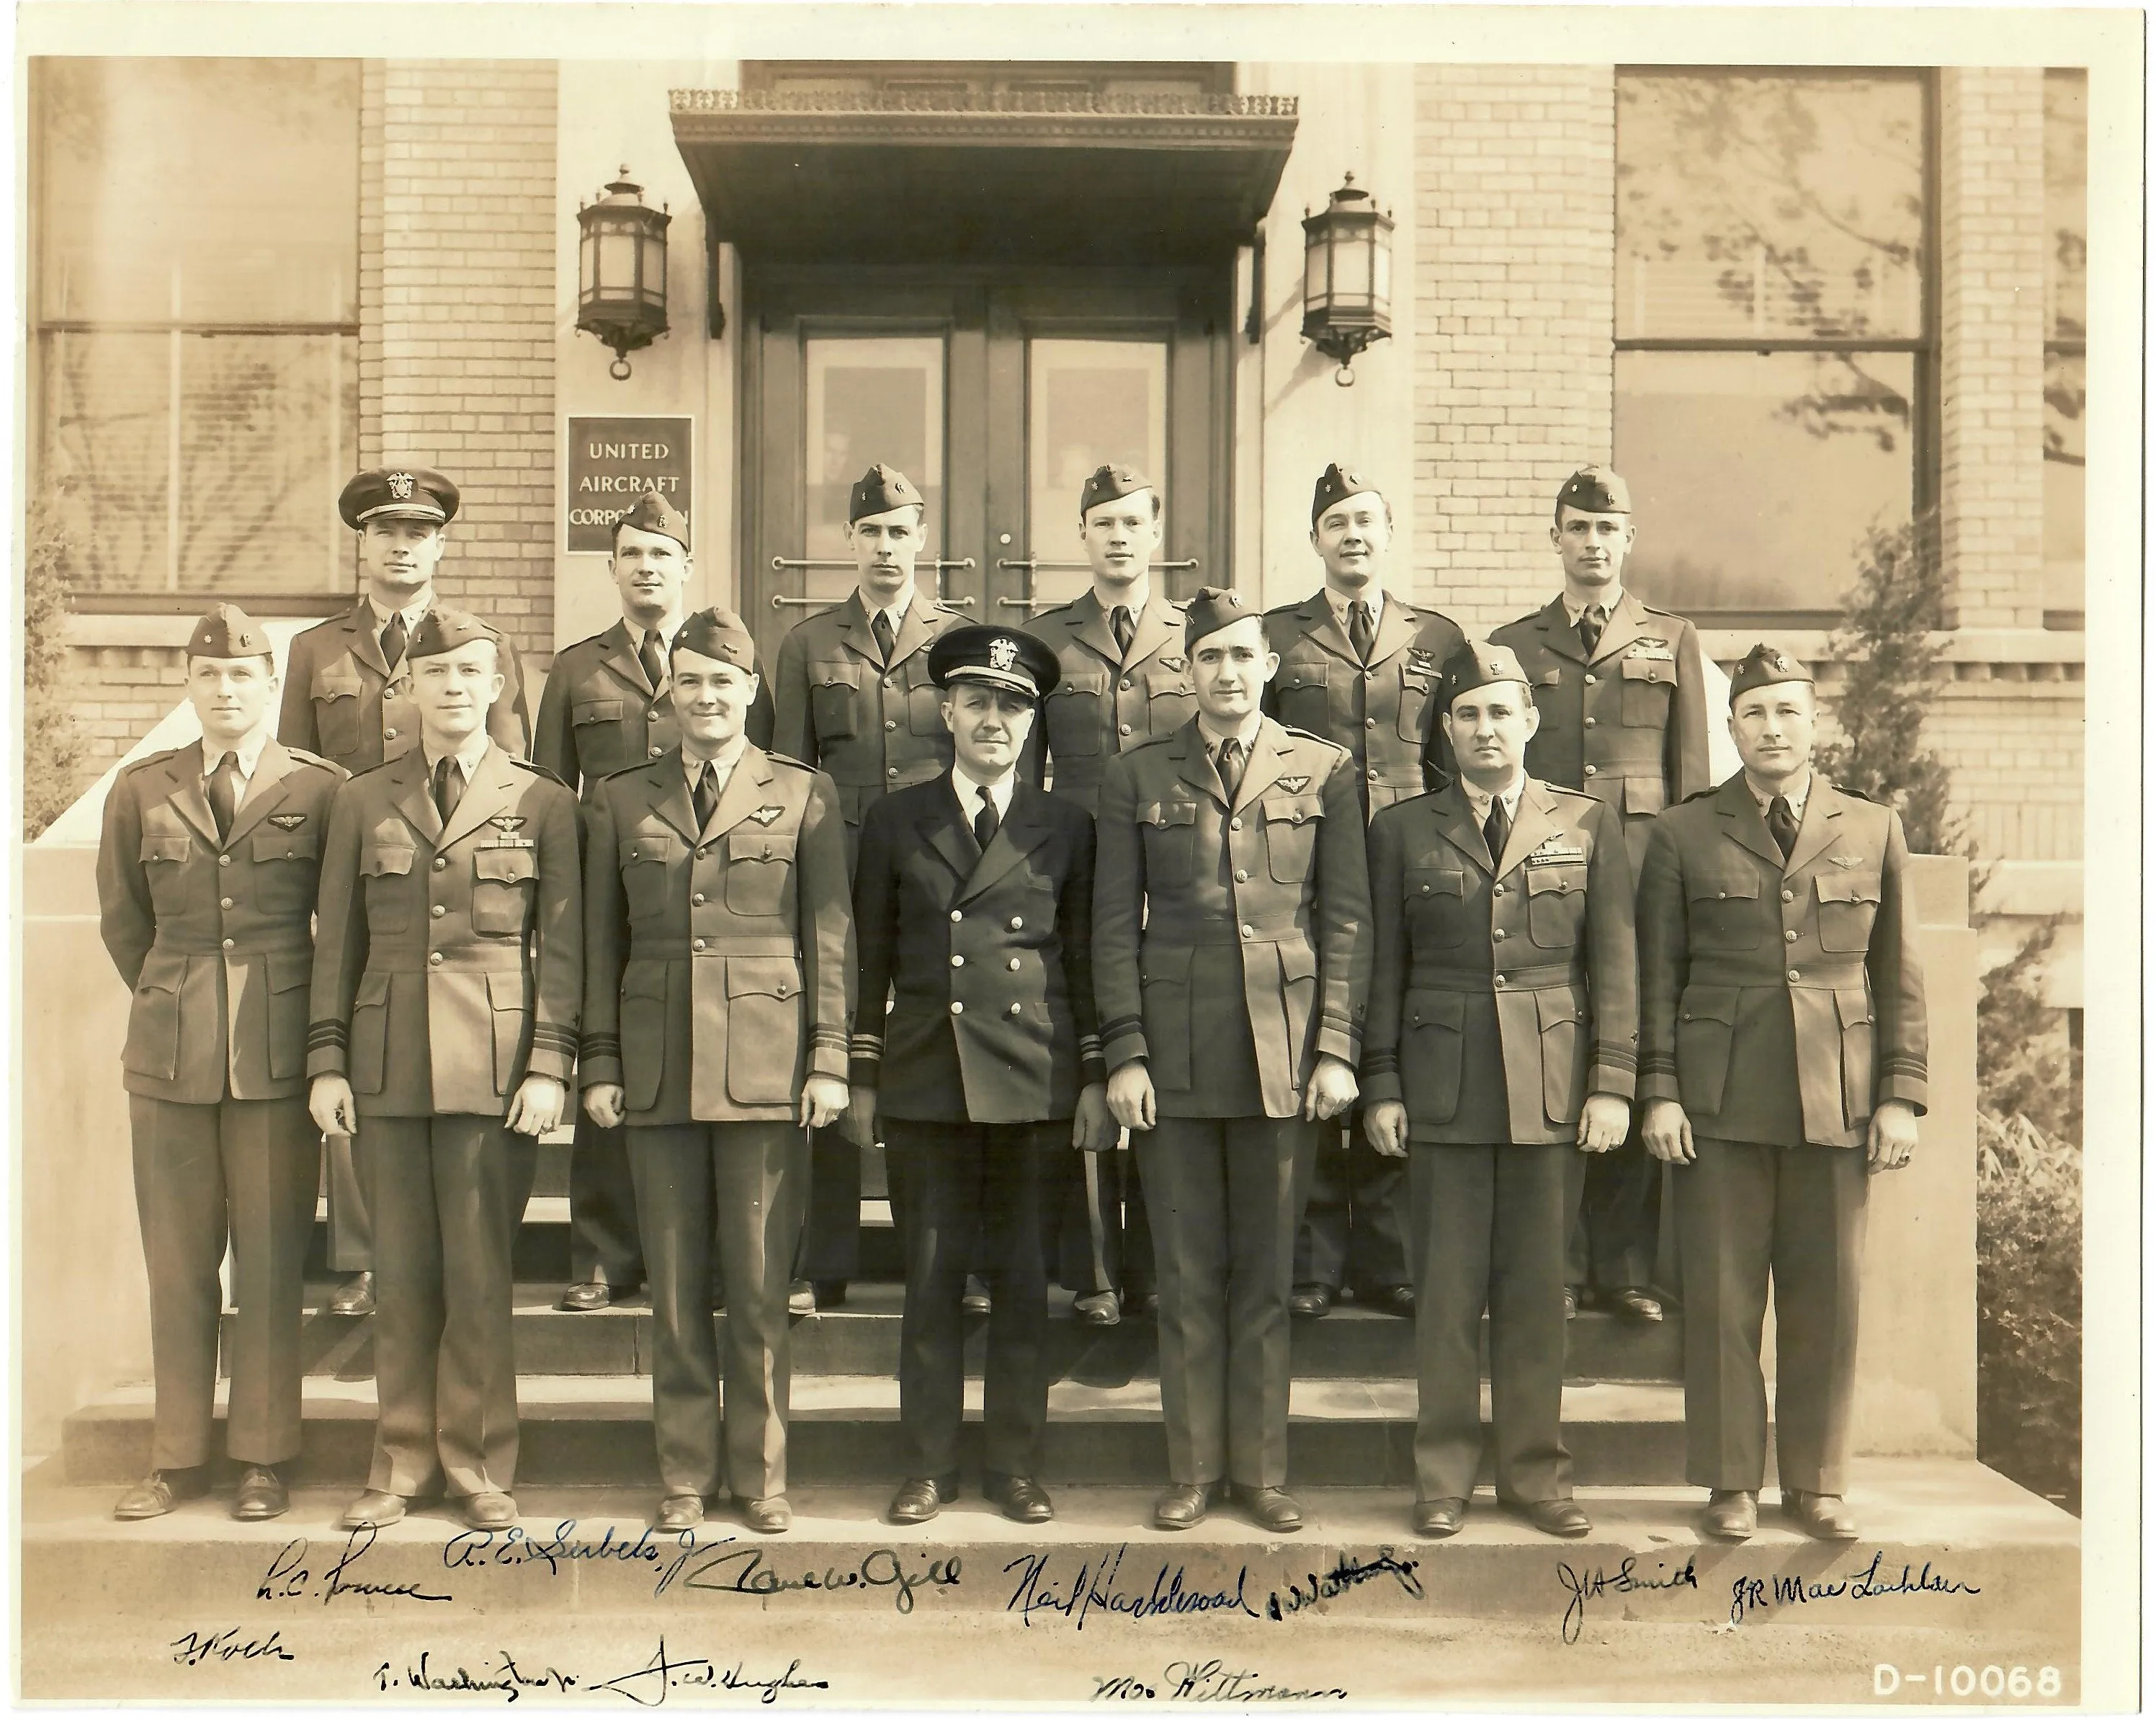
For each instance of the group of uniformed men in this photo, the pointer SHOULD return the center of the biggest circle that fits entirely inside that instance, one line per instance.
(1158, 883)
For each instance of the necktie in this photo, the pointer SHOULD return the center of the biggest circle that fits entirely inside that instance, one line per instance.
(1229, 764)
(886, 636)
(1782, 825)
(1496, 829)
(448, 787)
(654, 664)
(1591, 619)
(1123, 627)
(1362, 633)
(985, 821)
(393, 641)
(706, 795)
(224, 792)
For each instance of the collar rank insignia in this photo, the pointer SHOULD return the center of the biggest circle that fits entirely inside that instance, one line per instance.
(1295, 784)
(765, 815)
(506, 823)
(288, 820)
(1421, 661)
(1846, 859)
(400, 486)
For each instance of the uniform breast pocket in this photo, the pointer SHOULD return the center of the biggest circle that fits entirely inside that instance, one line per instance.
(164, 869)
(285, 863)
(1436, 899)
(759, 870)
(1304, 696)
(386, 874)
(1431, 1024)
(1557, 905)
(601, 745)
(924, 701)
(1291, 826)
(1848, 904)
(504, 881)
(1649, 683)
(644, 864)
(1170, 700)
(1725, 912)
(1415, 701)
(1073, 716)
(834, 701)
(336, 694)
(1169, 831)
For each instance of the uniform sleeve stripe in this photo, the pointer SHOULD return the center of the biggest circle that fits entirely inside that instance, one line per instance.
(322, 1034)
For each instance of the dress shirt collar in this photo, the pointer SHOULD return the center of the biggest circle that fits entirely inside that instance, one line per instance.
(664, 633)
(1796, 791)
(467, 756)
(249, 752)
(968, 790)
(413, 613)
(1607, 602)
(1478, 799)
(1372, 594)
(722, 763)
(1134, 597)
(896, 611)
(1247, 733)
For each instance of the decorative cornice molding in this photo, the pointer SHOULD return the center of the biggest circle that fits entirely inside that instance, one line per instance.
(1030, 103)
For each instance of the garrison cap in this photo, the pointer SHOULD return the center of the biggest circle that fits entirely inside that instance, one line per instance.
(1210, 610)
(1335, 486)
(398, 492)
(1596, 489)
(1763, 666)
(881, 490)
(654, 512)
(1477, 665)
(1111, 483)
(995, 656)
(225, 630)
(718, 633)
(444, 630)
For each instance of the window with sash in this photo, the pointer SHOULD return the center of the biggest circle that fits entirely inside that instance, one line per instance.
(2065, 348)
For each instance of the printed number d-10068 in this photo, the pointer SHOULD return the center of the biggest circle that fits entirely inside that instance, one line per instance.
(2016, 1682)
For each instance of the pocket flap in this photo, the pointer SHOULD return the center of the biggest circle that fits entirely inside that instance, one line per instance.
(754, 842)
(1555, 879)
(761, 976)
(1160, 681)
(645, 978)
(505, 865)
(301, 843)
(1558, 1008)
(505, 991)
(337, 679)
(1728, 886)
(1163, 813)
(162, 971)
(1710, 1002)
(1649, 669)
(1847, 886)
(289, 968)
(1415, 680)
(1297, 959)
(1292, 678)
(372, 992)
(1437, 1008)
(646, 847)
(1436, 880)
(1550, 677)
(1644, 795)
(595, 709)
(832, 675)
(1093, 686)
(1853, 1006)
(1165, 964)
(1292, 809)
(385, 861)
(166, 847)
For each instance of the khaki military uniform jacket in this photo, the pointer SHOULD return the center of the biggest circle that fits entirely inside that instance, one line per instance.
(719, 960)
(1381, 710)
(870, 726)
(215, 937)
(449, 961)
(1231, 943)
(1779, 1002)
(1502, 994)
(1106, 699)
(342, 700)
(1629, 726)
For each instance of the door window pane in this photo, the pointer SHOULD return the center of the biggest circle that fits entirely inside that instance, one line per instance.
(871, 399)
(107, 402)
(1090, 403)
(1755, 477)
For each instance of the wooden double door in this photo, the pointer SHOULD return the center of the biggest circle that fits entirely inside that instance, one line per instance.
(997, 391)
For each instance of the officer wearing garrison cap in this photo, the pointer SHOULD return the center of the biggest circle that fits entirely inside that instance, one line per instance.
(855, 698)
(1501, 1044)
(1621, 690)
(1359, 664)
(605, 708)
(206, 879)
(717, 986)
(1123, 679)
(1231, 953)
(449, 975)
(973, 904)
(1782, 1062)
(348, 697)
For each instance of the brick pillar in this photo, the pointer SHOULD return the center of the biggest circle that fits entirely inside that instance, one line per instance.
(466, 251)
(370, 264)
(1515, 214)
(1991, 356)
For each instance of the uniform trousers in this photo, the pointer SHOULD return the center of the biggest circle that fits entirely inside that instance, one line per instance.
(604, 1243)
(1226, 1195)
(1354, 1228)
(950, 1183)
(1105, 1239)
(1746, 1213)
(1488, 1229)
(1614, 1201)
(350, 1230)
(830, 1249)
(743, 1182)
(448, 1194)
(247, 1168)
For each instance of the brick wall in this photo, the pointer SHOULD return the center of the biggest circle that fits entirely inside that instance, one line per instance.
(465, 251)
(1991, 308)
(2016, 742)
(1513, 301)
(126, 691)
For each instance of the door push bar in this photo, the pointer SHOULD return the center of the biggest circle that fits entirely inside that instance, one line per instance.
(781, 564)
(1031, 566)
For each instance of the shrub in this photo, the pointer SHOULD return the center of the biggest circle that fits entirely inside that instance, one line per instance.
(2028, 1306)
(52, 745)
(2023, 1066)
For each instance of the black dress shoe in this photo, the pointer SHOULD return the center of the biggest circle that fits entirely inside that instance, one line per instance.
(1270, 1507)
(680, 1510)
(1564, 1518)
(1822, 1515)
(1397, 1299)
(159, 1490)
(1730, 1515)
(1021, 1499)
(1311, 1301)
(1182, 1507)
(917, 1501)
(1099, 1310)
(1637, 1304)
(259, 1496)
(1439, 1518)
(976, 1303)
(587, 1297)
(829, 1291)
(800, 1298)
(354, 1297)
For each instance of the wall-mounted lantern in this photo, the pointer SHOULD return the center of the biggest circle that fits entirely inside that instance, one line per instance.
(621, 271)
(1346, 277)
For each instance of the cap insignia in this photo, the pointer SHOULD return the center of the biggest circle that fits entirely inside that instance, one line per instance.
(1003, 654)
(400, 486)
